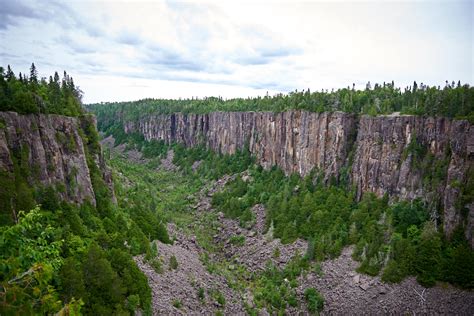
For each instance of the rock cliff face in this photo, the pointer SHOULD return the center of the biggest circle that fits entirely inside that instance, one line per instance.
(403, 156)
(384, 162)
(296, 141)
(52, 149)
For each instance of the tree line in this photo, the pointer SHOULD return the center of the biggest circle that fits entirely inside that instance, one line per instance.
(453, 100)
(27, 94)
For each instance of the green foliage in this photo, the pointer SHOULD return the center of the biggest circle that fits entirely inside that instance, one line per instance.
(16, 193)
(29, 257)
(157, 265)
(173, 264)
(133, 302)
(458, 265)
(325, 213)
(134, 281)
(201, 294)
(213, 166)
(63, 258)
(314, 300)
(416, 149)
(105, 290)
(237, 240)
(276, 253)
(275, 288)
(294, 206)
(53, 255)
(33, 240)
(393, 239)
(71, 280)
(177, 303)
(467, 193)
(428, 256)
(218, 297)
(37, 275)
(406, 214)
(39, 96)
(454, 100)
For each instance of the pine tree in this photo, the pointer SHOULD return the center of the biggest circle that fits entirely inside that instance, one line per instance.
(33, 74)
(10, 75)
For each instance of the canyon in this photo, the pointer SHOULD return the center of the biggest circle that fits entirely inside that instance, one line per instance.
(382, 154)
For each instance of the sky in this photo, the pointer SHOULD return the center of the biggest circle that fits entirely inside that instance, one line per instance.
(130, 50)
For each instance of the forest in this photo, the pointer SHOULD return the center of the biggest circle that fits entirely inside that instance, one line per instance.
(63, 258)
(78, 259)
(454, 100)
(29, 94)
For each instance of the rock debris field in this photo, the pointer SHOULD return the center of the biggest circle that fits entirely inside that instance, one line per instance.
(345, 291)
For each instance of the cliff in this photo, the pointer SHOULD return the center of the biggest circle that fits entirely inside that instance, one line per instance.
(403, 156)
(49, 151)
(410, 156)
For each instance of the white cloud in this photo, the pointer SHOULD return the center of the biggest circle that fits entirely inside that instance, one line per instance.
(183, 49)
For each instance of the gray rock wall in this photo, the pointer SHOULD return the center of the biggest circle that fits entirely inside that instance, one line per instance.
(55, 153)
(298, 141)
(382, 165)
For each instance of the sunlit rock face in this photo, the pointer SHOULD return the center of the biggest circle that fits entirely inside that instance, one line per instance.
(54, 151)
(296, 141)
(383, 162)
(381, 154)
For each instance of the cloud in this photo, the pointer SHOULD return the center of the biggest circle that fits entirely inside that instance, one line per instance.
(249, 46)
(57, 12)
(12, 11)
(76, 45)
(266, 56)
(128, 38)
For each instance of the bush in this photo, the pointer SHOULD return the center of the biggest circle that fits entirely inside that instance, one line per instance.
(237, 240)
(314, 300)
(133, 302)
(392, 273)
(156, 265)
(201, 294)
(220, 298)
(177, 303)
(173, 263)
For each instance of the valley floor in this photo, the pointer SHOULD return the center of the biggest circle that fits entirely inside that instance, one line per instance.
(345, 291)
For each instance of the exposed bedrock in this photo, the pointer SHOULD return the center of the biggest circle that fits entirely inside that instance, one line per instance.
(384, 154)
(51, 148)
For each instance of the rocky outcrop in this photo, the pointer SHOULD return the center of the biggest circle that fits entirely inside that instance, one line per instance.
(296, 141)
(391, 157)
(51, 148)
(403, 156)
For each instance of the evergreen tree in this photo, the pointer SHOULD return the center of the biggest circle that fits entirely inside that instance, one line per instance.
(33, 75)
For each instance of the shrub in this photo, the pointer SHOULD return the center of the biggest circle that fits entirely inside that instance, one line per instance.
(173, 263)
(392, 273)
(237, 240)
(201, 294)
(217, 295)
(177, 303)
(156, 265)
(314, 300)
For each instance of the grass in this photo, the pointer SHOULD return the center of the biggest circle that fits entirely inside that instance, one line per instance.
(237, 240)
(177, 303)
